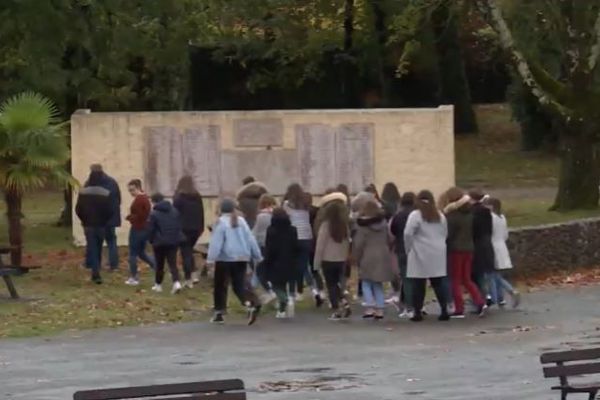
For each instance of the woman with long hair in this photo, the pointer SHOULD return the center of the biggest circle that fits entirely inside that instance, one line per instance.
(188, 201)
(390, 198)
(331, 255)
(460, 244)
(425, 242)
(297, 207)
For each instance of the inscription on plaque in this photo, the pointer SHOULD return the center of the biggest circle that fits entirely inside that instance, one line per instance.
(164, 156)
(275, 168)
(354, 155)
(258, 132)
(201, 158)
(315, 146)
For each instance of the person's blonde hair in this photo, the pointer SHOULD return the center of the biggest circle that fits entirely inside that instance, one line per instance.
(266, 201)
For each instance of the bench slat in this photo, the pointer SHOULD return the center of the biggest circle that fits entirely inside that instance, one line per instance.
(216, 396)
(572, 355)
(571, 370)
(160, 390)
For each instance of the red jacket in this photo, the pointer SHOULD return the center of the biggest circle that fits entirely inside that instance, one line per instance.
(139, 212)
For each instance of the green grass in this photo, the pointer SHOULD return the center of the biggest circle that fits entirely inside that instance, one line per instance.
(41, 234)
(531, 212)
(493, 158)
(61, 297)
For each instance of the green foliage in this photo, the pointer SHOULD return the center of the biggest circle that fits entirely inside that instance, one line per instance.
(33, 144)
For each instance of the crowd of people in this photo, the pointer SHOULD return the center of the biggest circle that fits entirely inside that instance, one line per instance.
(269, 250)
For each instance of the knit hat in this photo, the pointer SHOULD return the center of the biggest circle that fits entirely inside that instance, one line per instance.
(227, 206)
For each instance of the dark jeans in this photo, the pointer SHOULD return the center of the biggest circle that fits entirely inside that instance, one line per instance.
(168, 254)
(94, 237)
(302, 265)
(187, 252)
(137, 249)
(333, 272)
(282, 297)
(234, 272)
(419, 287)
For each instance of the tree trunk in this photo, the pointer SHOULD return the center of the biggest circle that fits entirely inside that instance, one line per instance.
(382, 36)
(579, 172)
(453, 78)
(348, 66)
(14, 215)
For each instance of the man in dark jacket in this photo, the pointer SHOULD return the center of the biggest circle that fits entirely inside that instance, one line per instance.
(110, 184)
(95, 212)
(483, 256)
(247, 198)
(165, 236)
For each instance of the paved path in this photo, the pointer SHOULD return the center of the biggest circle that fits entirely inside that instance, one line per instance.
(469, 359)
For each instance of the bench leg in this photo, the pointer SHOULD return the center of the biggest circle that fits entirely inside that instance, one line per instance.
(11, 288)
(593, 395)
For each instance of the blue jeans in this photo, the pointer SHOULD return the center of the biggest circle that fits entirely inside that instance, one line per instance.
(110, 236)
(373, 294)
(302, 267)
(137, 249)
(496, 285)
(94, 237)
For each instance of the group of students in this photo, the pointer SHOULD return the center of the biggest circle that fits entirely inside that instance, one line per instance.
(170, 227)
(259, 244)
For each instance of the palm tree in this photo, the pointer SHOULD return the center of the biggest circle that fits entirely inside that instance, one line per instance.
(33, 153)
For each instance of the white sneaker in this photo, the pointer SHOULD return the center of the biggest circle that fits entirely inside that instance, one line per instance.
(291, 308)
(189, 284)
(195, 277)
(393, 300)
(281, 315)
(157, 288)
(176, 287)
(405, 314)
(132, 282)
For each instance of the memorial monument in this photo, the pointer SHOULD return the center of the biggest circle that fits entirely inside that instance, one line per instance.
(319, 149)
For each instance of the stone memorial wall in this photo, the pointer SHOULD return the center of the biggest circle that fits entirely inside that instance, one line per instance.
(319, 149)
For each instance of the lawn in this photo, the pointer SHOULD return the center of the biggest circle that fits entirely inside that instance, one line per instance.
(493, 158)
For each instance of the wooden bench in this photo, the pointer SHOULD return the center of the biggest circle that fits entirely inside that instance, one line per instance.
(8, 271)
(232, 389)
(569, 364)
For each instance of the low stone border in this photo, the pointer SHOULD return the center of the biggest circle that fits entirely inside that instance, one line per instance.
(565, 245)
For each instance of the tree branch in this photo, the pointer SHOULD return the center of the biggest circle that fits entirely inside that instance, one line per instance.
(494, 17)
(595, 51)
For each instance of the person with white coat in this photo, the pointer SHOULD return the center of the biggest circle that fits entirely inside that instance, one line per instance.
(496, 282)
(425, 242)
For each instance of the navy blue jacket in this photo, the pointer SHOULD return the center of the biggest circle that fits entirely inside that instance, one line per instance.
(165, 225)
(112, 186)
(93, 207)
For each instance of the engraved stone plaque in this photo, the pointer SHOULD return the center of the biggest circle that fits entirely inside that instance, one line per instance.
(202, 158)
(275, 168)
(354, 155)
(315, 147)
(258, 132)
(163, 163)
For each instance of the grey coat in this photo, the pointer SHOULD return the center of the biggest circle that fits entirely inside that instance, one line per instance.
(371, 250)
(425, 244)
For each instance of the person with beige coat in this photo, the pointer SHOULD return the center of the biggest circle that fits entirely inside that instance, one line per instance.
(372, 253)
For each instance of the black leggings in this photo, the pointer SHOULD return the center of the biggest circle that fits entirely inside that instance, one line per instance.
(234, 272)
(187, 252)
(333, 272)
(168, 254)
(418, 291)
